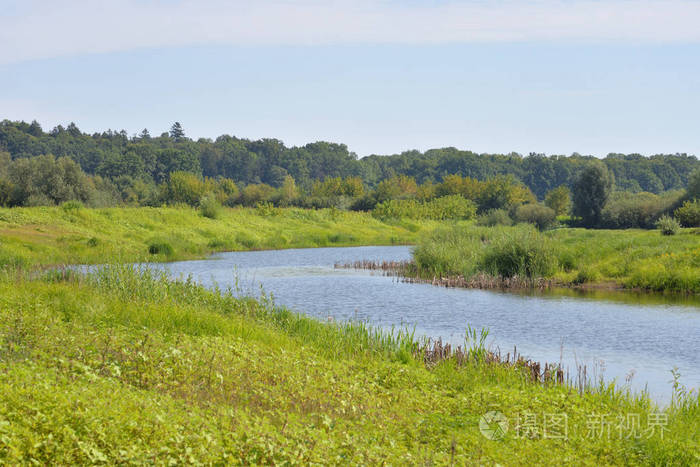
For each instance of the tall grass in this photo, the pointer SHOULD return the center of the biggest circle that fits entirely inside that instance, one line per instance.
(569, 257)
(497, 251)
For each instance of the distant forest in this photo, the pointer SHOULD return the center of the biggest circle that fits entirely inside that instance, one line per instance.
(131, 168)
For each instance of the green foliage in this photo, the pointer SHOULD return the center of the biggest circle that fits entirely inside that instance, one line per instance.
(494, 217)
(503, 192)
(668, 225)
(559, 199)
(537, 214)
(591, 192)
(209, 206)
(257, 193)
(45, 180)
(694, 185)
(397, 187)
(689, 214)
(421, 175)
(447, 207)
(185, 187)
(635, 210)
(267, 209)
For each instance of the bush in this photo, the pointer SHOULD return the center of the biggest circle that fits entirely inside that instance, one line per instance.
(160, 247)
(266, 209)
(586, 274)
(494, 217)
(209, 206)
(689, 214)
(185, 187)
(542, 216)
(524, 254)
(668, 225)
(629, 211)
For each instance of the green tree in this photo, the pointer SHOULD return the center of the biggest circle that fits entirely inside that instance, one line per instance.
(694, 185)
(288, 192)
(591, 192)
(176, 131)
(559, 199)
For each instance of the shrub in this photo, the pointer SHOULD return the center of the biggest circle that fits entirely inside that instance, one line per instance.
(494, 217)
(542, 216)
(586, 274)
(185, 187)
(209, 206)
(628, 211)
(257, 193)
(160, 247)
(689, 213)
(93, 242)
(266, 209)
(668, 225)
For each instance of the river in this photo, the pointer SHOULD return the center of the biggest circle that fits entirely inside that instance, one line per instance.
(635, 339)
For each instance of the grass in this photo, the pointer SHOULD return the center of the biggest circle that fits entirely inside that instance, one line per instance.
(125, 366)
(49, 236)
(640, 259)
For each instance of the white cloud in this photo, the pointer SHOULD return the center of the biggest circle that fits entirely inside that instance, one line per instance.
(42, 29)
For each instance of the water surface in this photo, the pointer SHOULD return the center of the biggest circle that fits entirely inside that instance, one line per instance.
(617, 334)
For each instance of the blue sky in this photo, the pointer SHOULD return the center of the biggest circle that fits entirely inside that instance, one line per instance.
(382, 77)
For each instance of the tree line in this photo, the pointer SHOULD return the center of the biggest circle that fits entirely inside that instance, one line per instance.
(112, 168)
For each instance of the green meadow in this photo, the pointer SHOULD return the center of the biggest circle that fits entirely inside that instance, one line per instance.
(70, 234)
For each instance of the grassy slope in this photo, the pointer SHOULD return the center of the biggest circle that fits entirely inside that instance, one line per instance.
(131, 368)
(31, 236)
(631, 258)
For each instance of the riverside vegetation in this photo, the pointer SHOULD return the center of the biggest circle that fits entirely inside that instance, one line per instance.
(639, 259)
(125, 365)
